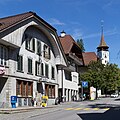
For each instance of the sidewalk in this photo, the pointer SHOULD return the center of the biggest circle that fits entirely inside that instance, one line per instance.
(22, 109)
(27, 108)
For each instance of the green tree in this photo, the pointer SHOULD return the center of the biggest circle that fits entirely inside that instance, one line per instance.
(104, 77)
(81, 44)
(111, 74)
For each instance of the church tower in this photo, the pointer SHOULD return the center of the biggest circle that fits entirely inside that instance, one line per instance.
(102, 50)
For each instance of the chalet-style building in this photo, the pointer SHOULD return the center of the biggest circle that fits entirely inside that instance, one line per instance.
(31, 60)
(69, 85)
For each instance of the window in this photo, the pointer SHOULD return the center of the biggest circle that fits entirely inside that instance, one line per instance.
(19, 63)
(30, 42)
(53, 72)
(50, 91)
(68, 75)
(38, 47)
(30, 87)
(46, 70)
(29, 65)
(46, 52)
(24, 88)
(18, 88)
(3, 55)
(42, 69)
(39, 68)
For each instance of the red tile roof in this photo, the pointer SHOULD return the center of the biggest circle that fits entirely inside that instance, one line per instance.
(88, 57)
(10, 21)
(67, 42)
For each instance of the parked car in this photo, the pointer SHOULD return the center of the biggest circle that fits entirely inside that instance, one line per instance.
(114, 95)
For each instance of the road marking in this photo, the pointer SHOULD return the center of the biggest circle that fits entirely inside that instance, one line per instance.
(87, 109)
(69, 108)
(78, 108)
(96, 108)
(106, 108)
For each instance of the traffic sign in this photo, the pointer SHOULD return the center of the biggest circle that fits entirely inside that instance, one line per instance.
(84, 84)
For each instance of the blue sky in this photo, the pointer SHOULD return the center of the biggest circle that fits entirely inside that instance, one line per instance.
(79, 18)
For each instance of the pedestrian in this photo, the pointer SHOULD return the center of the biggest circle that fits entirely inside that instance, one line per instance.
(32, 101)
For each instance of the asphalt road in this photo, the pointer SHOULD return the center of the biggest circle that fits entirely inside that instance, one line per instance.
(102, 109)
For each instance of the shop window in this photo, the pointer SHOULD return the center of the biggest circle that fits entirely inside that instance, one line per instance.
(18, 87)
(29, 66)
(50, 91)
(24, 88)
(19, 63)
(30, 88)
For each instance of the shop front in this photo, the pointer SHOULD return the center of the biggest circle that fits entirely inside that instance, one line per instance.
(24, 92)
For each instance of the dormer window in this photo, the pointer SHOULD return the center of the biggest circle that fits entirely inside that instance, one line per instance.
(30, 42)
(46, 52)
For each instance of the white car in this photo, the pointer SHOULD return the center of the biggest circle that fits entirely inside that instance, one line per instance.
(114, 95)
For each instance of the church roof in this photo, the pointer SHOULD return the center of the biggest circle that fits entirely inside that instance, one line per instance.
(102, 43)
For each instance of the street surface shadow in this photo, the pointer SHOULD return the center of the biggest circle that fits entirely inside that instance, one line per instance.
(112, 114)
(103, 105)
(118, 99)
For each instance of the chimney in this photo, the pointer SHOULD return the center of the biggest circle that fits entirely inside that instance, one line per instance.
(63, 33)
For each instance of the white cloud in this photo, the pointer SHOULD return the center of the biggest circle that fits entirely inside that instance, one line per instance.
(54, 21)
(108, 4)
(106, 33)
(77, 34)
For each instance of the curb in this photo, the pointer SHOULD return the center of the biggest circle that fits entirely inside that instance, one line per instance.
(22, 109)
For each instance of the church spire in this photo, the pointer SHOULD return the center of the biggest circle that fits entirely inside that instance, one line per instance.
(102, 49)
(102, 42)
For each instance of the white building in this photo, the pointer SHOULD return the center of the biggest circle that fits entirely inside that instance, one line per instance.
(30, 55)
(69, 80)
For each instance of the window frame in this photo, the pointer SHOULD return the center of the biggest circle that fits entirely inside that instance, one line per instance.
(19, 63)
(30, 65)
